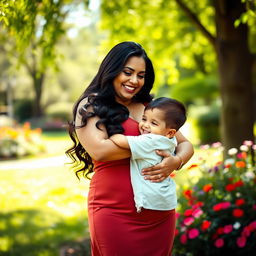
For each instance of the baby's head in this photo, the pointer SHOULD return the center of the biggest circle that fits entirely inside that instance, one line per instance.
(163, 116)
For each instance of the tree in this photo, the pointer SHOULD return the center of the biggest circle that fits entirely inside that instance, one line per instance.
(165, 27)
(235, 62)
(35, 28)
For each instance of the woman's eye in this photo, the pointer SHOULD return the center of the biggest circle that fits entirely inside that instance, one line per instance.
(141, 76)
(127, 73)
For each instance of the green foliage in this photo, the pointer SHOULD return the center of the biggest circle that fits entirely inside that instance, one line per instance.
(34, 28)
(168, 36)
(208, 125)
(39, 23)
(216, 215)
(194, 88)
(60, 110)
(23, 109)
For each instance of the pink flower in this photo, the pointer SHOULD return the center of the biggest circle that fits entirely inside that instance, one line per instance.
(221, 206)
(183, 239)
(219, 242)
(227, 229)
(197, 213)
(188, 212)
(226, 205)
(241, 241)
(248, 143)
(216, 144)
(193, 233)
(188, 221)
(177, 214)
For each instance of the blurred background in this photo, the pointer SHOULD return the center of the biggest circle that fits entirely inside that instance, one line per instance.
(204, 54)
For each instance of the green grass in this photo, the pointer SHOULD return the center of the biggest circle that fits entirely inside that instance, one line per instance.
(41, 208)
(44, 208)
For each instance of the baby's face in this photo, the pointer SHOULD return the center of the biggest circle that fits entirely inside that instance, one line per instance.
(153, 122)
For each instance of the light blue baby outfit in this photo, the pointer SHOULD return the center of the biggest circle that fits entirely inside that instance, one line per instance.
(147, 194)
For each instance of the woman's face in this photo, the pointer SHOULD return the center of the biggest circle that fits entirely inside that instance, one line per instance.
(130, 81)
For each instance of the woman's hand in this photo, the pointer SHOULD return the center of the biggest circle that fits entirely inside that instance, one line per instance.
(161, 171)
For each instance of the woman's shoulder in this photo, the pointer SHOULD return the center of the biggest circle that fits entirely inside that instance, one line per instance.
(85, 100)
(82, 107)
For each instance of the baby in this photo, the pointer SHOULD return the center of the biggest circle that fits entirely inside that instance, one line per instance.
(161, 119)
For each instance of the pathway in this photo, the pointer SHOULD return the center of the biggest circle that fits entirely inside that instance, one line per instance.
(53, 161)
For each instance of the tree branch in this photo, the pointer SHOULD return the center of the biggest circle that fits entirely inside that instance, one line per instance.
(192, 16)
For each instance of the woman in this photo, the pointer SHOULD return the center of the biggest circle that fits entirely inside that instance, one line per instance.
(114, 103)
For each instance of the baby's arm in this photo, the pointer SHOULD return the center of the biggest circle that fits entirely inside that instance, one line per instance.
(120, 140)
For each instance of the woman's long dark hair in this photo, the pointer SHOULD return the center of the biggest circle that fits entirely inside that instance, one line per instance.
(100, 96)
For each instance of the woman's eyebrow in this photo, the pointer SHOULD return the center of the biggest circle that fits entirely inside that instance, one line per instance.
(134, 70)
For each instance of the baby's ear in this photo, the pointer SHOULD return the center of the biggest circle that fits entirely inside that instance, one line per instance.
(171, 133)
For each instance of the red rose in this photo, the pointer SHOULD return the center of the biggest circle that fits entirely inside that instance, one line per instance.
(220, 230)
(240, 201)
(238, 213)
(205, 225)
(238, 183)
(187, 193)
(217, 207)
(230, 187)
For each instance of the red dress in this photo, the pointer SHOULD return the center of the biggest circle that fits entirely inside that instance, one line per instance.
(116, 228)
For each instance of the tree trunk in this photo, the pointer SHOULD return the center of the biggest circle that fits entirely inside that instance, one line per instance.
(235, 71)
(38, 80)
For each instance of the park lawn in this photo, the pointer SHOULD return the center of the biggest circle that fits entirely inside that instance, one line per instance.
(41, 208)
(44, 208)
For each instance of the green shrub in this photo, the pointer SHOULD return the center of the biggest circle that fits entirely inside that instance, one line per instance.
(208, 125)
(23, 109)
(60, 111)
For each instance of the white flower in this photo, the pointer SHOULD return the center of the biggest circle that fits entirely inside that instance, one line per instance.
(238, 194)
(232, 151)
(244, 148)
(237, 225)
(249, 175)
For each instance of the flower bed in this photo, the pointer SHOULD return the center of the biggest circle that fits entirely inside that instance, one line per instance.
(20, 141)
(218, 214)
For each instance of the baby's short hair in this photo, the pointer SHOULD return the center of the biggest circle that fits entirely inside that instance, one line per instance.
(175, 111)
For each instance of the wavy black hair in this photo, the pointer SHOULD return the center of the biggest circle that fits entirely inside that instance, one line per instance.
(100, 96)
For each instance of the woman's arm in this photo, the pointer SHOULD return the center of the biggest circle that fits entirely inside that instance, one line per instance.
(96, 142)
(184, 152)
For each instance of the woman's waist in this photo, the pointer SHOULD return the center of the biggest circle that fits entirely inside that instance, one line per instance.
(111, 164)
